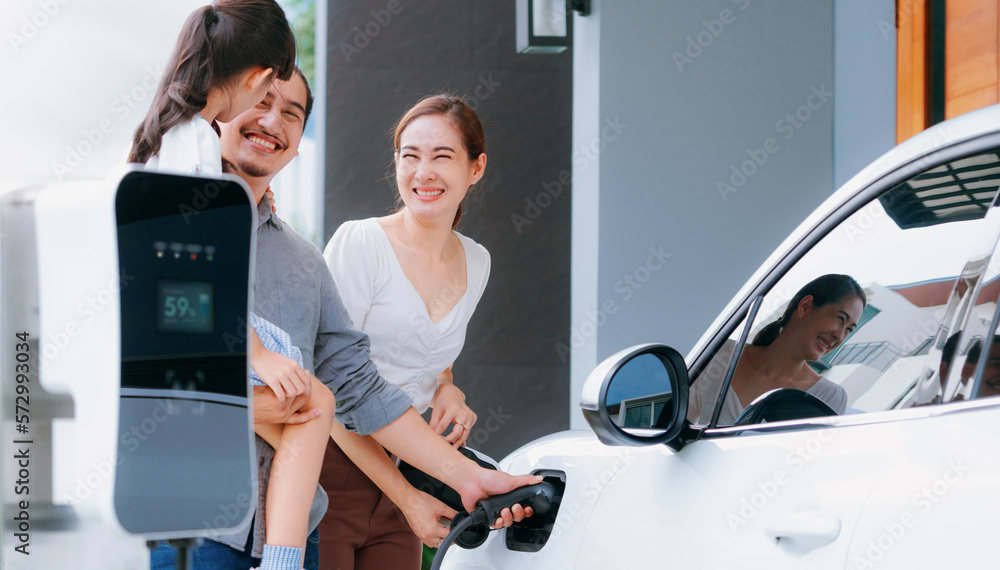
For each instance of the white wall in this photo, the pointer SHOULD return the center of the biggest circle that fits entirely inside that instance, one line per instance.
(671, 100)
(80, 75)
(585, 229)
(297, 194)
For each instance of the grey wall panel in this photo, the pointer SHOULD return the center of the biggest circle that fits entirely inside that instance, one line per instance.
(865, 67)
(705, 89)
(509, 365)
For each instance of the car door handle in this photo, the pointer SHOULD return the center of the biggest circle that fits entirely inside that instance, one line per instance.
(799, 533)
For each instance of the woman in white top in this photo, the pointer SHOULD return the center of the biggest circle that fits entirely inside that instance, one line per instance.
(817, 320)
(411, 283)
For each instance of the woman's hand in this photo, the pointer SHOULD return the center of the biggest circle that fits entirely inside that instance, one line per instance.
(449, 407)
(486, 483)
(422, 512)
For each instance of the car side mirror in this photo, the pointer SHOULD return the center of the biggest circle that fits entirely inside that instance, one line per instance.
(783, 404)
(638, 396)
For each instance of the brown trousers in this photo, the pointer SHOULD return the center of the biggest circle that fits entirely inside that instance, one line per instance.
(362, 528)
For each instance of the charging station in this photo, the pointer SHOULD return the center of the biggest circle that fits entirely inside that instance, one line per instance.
(125, 409)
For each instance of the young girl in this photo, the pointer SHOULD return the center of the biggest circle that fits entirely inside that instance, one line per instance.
(227, 55)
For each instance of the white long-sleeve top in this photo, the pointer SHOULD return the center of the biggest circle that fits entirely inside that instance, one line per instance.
(192, 147)
(409, 349)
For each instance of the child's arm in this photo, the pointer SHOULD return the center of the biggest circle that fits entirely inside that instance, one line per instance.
(282, 374)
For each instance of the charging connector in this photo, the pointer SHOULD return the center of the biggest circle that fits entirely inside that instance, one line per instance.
(541, 497)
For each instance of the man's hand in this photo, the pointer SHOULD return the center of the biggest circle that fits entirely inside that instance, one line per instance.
(487, 482)
(268, 409)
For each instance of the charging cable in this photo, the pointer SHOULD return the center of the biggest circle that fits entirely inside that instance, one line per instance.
(541, 497)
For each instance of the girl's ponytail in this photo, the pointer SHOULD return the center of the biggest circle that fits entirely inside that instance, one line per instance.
(183, 90)
(217, 44)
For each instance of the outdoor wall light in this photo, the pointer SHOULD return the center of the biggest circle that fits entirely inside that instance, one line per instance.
(543, 26)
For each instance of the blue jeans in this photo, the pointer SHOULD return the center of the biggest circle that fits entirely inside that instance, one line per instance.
(213, 555)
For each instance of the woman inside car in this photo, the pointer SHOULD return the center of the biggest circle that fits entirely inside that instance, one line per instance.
(816, 321)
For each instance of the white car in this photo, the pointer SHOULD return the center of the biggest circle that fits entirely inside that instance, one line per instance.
(906, 476)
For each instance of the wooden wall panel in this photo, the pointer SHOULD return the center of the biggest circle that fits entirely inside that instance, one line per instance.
(971, 101)
(911, 69)
(972, 55)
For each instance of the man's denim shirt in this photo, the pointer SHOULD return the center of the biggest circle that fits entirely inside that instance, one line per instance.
(293, 288)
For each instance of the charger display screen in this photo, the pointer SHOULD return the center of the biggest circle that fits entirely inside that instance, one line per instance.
(185, 306)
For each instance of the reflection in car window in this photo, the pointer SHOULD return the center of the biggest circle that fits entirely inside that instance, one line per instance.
(639, 393)
(817, 319)
(922, 253)
(990, 384)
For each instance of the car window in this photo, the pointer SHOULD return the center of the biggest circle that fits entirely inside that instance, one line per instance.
(975, 372)
(989, 385)
(921, 254)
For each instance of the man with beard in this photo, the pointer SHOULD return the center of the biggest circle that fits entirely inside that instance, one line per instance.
(294, 290)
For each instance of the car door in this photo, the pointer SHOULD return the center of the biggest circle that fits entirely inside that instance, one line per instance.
(912, 452)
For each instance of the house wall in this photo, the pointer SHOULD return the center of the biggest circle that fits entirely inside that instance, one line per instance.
(713, 128)
(382, 56)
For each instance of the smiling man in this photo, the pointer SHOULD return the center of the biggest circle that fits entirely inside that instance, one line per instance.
(262, 141)
(294, 290)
